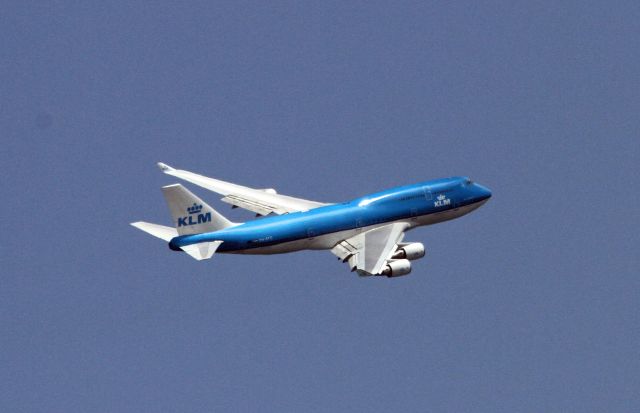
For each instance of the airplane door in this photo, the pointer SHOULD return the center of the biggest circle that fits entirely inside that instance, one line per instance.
(427, 193)
(359, 224)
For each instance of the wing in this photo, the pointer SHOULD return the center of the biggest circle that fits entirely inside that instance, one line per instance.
(369, 251)
(260, 201)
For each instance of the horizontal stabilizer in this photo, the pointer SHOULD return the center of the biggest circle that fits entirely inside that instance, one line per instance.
(203, 250)
(159, 231)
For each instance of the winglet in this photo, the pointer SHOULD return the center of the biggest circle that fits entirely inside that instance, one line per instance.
(164, 167)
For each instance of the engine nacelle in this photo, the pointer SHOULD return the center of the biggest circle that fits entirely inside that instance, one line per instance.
(411, 251)
(397, 268)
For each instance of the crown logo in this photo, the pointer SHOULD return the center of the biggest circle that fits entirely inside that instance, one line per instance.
(441, 197)
(194, 209)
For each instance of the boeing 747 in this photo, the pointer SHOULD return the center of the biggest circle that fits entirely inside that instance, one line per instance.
(366, 233)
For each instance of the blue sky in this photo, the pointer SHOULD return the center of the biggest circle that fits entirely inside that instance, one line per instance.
(528, 304)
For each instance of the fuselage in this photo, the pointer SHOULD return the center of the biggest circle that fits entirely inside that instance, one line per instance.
(424, 203)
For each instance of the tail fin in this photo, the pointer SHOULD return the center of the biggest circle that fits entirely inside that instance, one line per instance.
(190, 214)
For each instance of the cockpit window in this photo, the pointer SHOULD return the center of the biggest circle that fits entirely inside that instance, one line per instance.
(468, 181)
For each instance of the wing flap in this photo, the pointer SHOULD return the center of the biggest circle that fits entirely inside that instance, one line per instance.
(258, 208)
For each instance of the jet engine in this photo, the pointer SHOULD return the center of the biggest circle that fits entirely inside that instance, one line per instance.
(411, 251)
(397, 268)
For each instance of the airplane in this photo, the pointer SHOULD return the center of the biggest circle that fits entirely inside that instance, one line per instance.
(366, 233)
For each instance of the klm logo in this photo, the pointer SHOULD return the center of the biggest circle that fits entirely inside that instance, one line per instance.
(194, 217)
(442, 201)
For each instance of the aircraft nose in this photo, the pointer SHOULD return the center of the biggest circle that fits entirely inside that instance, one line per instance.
(483, 192)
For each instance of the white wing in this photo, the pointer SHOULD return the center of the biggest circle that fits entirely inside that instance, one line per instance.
(260, 201)
(369, 251)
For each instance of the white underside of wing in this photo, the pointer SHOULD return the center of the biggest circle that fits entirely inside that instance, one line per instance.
(370, 250)
(259, 201)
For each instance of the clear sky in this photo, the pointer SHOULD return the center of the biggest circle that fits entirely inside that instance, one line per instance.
(529, 304)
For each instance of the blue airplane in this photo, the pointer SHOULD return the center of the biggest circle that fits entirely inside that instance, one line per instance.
(366, 233)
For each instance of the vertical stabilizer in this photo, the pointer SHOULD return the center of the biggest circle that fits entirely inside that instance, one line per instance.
(190, 214)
